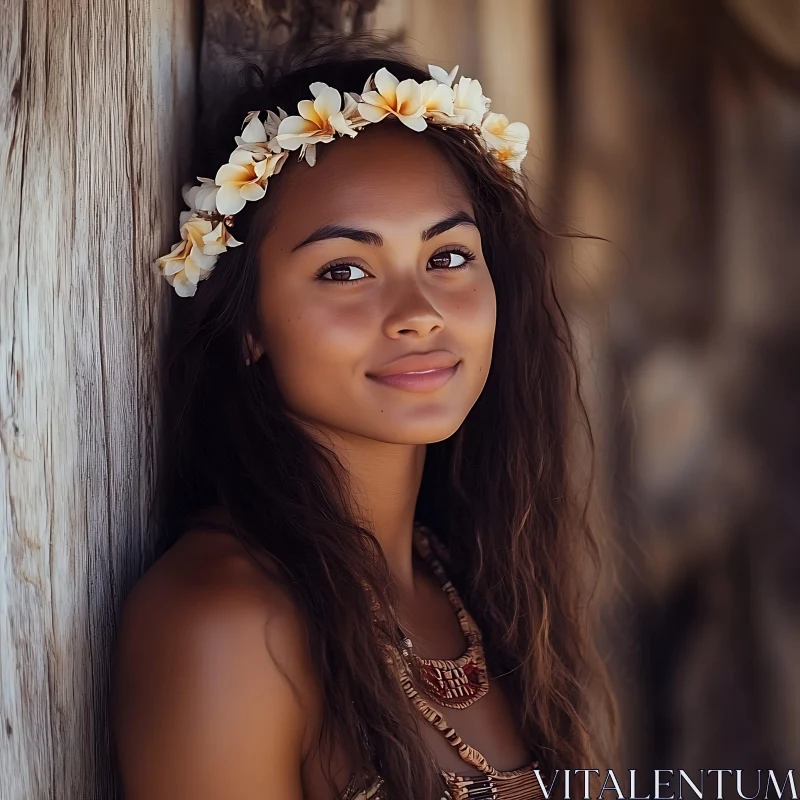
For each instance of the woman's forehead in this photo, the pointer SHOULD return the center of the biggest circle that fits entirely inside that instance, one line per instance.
(379, 176)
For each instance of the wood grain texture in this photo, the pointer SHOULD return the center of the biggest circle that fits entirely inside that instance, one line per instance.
(95, 129)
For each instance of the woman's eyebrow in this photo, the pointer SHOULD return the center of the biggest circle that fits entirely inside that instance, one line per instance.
(342, 232)
(375, 239)
(459, 218)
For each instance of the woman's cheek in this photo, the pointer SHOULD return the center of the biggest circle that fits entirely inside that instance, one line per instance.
(318, 351)
(475, 312)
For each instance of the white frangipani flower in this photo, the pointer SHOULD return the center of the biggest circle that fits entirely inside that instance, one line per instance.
(469, 103)
(187, 264)
(319, 121)
(403, 99)
(244, 178)
(508, 140)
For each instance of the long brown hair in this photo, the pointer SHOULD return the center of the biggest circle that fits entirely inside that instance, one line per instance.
(497, 492)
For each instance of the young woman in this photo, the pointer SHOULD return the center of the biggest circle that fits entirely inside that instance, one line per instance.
(372, 587)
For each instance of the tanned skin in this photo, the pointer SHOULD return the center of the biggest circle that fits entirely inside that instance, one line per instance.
(203, 710)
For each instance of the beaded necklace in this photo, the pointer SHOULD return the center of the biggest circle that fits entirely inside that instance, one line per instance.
(456, 683)
(460, 682)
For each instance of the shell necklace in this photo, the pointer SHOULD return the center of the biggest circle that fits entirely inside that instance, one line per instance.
(450, 683)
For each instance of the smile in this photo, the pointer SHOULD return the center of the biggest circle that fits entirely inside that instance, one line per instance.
(424, 381)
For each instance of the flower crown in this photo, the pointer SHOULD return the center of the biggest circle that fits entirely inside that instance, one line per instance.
(264, 146)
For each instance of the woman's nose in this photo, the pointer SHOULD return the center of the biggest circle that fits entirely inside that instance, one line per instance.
(411, 312)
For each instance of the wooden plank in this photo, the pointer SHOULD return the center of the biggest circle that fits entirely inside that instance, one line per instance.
(95, 130)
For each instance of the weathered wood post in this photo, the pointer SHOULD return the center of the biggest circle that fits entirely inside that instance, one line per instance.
(96, 113)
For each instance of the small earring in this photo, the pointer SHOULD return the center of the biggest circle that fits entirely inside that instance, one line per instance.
(247, 362)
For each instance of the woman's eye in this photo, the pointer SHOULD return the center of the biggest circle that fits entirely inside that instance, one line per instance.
(450, 259)
(343, 273)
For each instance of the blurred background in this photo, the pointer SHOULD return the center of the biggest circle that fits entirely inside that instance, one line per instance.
(671, 129)
(668, 129)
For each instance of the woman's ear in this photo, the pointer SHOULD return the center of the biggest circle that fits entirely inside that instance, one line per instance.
(254, 348)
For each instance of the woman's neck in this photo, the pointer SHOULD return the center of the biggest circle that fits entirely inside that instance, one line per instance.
(384, 481)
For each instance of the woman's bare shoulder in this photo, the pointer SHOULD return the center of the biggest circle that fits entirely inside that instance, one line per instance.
(208, 577)
(212, 672)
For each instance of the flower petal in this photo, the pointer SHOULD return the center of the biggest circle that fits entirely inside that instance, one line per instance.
(173, 261)
(415, 123)
(229, 200)
(409, 97)
(273, 121)
(518, 133)
(375, 99)
(201, 261)
(292, 127)
(307, 111)
(183, 287)
(437, 97)
(386, 84)
(350, 106)
(278, 160)
(190, 271)
(174, 266)
(214, 249)
(371, 113)
(194, 231)
(206, 197)
(289, 142)
(495, 124)
(293, 142)
(317, 87)
(241, 157)
(328, 103)
(218, 240)
(190, 195)
(194, 228)
(442, 76)
(232, 173)
(469, 103)
(500, 135)
(252, 191)
(515, 160)
(254, 131)
(341, 125)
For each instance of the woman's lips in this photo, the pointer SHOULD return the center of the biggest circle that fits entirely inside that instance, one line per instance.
(427, 381)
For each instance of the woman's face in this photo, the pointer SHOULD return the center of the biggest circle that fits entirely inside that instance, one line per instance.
(373, 268)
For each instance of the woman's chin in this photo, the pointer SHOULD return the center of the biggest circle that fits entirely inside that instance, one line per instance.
(426, 420)
(416, 431)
